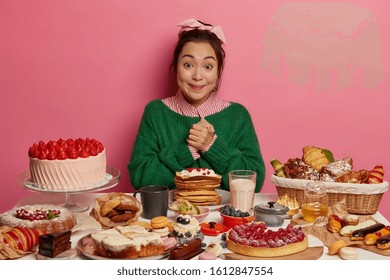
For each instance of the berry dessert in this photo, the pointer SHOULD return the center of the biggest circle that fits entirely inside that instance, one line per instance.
(67, 164)
(256, 240)
(45, 217)
(186, 227)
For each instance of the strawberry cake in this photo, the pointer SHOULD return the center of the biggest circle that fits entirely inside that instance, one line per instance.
(256, 240)
(67, 164)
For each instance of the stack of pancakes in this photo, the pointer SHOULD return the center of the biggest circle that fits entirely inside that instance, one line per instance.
(200, 190)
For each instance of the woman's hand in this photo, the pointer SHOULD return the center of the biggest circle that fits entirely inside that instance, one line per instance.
(201, 135)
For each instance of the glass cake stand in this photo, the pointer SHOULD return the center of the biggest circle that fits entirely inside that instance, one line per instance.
(110, 180)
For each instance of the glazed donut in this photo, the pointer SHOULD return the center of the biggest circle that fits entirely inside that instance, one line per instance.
(187, 251)
(383, 243)
(371, 238)
(361, 233)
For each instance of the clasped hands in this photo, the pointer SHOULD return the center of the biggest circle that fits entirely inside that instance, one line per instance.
(201, 135)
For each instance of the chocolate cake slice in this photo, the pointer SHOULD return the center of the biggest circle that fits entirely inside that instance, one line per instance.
(51, 245)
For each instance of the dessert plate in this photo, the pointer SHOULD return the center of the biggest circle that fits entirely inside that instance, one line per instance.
(85, 246)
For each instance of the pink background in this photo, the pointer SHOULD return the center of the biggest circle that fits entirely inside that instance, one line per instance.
(87, 68)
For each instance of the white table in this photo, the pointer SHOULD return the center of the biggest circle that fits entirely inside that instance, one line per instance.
(86, 224)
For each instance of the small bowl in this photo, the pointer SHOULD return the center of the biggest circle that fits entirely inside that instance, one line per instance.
(231, 221)
(204, 212)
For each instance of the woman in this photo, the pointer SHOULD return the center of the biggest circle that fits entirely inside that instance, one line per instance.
(195, 128)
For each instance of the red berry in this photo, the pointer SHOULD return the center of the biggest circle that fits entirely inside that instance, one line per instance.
(52, 155)
(93, 152)
(42, 155)
(378, 233)
(72, 153)
(83, 153)
(61, 155)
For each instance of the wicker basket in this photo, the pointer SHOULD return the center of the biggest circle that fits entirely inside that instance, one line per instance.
(363, 199)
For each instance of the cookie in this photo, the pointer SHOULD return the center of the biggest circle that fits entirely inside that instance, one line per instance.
(122, 218)
(159, 222)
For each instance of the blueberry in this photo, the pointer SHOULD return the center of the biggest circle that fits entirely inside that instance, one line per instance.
(185, 221)
(204, 244)
(223, 237)
(180, 235)
(223, 244)
(242, 215)
(179, 219)
(188, 234)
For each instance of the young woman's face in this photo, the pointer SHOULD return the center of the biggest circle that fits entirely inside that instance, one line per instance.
(197, 72)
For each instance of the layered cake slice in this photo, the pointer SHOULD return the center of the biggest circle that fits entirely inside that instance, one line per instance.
(51, 245)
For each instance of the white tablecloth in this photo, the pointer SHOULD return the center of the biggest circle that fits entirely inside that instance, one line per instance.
(87, 224)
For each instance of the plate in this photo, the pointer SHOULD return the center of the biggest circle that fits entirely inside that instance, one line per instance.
(85, 246)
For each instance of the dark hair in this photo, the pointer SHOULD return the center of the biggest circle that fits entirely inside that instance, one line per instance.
(200, 36)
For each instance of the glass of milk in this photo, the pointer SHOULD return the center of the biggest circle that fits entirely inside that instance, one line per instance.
(242, 185)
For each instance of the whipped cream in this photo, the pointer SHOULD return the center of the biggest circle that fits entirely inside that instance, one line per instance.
(191, 172)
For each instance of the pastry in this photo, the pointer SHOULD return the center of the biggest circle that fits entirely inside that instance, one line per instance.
(48, 218)
(371, 238)
(186, 251)
(354, 177)
(334, 223)
(383, 242)
(127, 242)
(278, 167)
(291, 203)
(333, 170)
(336, 247)
(185, 207)
(169, 242)
(67, 165)
(347, 230)
(254, 239)
(207, 256)
(18, 240)
(349, 253)
(360, 233)
(350, 219)
(316, 157)
(186, 227)
(116, 209)
(295, 168)
(51, 245)
(376, 175)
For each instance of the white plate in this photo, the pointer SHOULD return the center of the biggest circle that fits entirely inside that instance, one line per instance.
(85, 246)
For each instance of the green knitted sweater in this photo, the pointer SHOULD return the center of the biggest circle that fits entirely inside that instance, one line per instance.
(160, 148)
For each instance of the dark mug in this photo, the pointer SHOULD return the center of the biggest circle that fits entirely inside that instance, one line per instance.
(154, 200)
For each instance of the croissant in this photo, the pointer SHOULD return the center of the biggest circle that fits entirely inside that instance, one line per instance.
(317, 157)
(376, 175)
(356, 177)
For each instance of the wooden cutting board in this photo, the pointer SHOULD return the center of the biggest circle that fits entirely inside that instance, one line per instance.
(311, 253)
